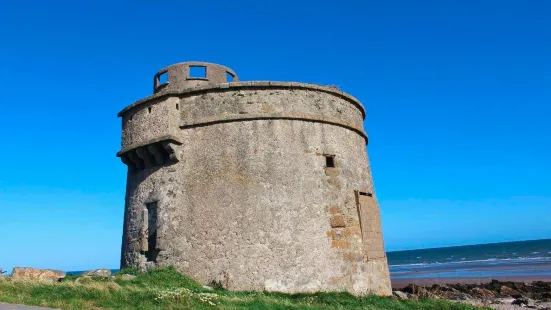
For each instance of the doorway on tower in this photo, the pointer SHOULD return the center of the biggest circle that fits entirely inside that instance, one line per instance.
(149, 248)
(370, 224)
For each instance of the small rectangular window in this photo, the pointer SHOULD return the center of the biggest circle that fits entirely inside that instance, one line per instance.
(329, 161)
(198, 72)
(163, 78)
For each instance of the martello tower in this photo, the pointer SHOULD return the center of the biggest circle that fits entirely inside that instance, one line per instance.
(252, 185)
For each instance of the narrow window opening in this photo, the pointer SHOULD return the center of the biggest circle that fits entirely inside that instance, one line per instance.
(131, 116)
(177, 107)
(229, 77)
(151, 253)
(198, 72)
(149, 109)
(329, 161)
(163, 78)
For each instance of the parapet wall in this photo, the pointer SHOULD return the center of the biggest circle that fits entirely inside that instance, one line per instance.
(156, 118)
(192, 74)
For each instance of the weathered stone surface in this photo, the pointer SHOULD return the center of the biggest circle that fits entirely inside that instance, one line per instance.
(507, 291)
(420, 291)
(504, 301)
(544, 305)
(247, 201)
(482, 293)
(104, 273)
(46, 275)
(337, 221)
(400, 295)
(524, 301)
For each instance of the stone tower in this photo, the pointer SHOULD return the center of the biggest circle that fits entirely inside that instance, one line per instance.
(252, 185)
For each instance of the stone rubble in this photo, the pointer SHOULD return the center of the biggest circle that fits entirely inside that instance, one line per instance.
(495, 294)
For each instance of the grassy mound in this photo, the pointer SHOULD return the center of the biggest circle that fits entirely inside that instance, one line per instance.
(168, 289)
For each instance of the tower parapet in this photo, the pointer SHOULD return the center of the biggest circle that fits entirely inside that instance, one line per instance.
(192, 74)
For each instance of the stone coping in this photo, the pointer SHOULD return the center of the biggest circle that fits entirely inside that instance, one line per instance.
(131, 147)
(252, 85)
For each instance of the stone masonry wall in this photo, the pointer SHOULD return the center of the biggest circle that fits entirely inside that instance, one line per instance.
(250, 203)
(258, 101)
(155, 119)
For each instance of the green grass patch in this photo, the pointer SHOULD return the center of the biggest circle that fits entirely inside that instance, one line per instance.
(168, 289)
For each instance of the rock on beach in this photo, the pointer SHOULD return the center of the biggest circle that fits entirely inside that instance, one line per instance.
(102, 273)
(495, 294)
(45, 275)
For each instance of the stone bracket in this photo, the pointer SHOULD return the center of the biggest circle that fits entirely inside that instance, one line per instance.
(155, 152)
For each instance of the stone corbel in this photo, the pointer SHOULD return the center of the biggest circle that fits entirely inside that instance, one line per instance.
(151, 153)
(148, 159)
(157, 152)
(173, 151)
(138, 162)
(125, 160)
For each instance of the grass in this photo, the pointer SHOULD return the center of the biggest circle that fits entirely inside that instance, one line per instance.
(168, 289)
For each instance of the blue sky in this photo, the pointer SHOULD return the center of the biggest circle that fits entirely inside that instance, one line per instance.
(457, 94)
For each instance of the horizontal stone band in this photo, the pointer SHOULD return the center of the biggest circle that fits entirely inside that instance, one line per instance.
(245, 85)
(281, 116)
(169, 138)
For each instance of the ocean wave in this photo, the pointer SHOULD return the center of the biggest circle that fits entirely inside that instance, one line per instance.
(520, 259)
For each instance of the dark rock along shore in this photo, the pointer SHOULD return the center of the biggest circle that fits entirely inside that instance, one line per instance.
(535, 295)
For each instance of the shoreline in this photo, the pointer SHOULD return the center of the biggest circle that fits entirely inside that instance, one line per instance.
(428, 281)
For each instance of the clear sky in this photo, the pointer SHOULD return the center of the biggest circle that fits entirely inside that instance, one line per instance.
(457, 93)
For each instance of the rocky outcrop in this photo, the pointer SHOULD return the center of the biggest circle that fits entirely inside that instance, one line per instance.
(45, 275)
(98, 273)
(507, 291)
(482, 293)
(419, 291)
(400, 295)
(497, 294)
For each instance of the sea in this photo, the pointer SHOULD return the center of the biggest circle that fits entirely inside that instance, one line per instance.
(520, 259)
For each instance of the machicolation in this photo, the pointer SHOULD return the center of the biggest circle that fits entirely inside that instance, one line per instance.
(251, 185)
